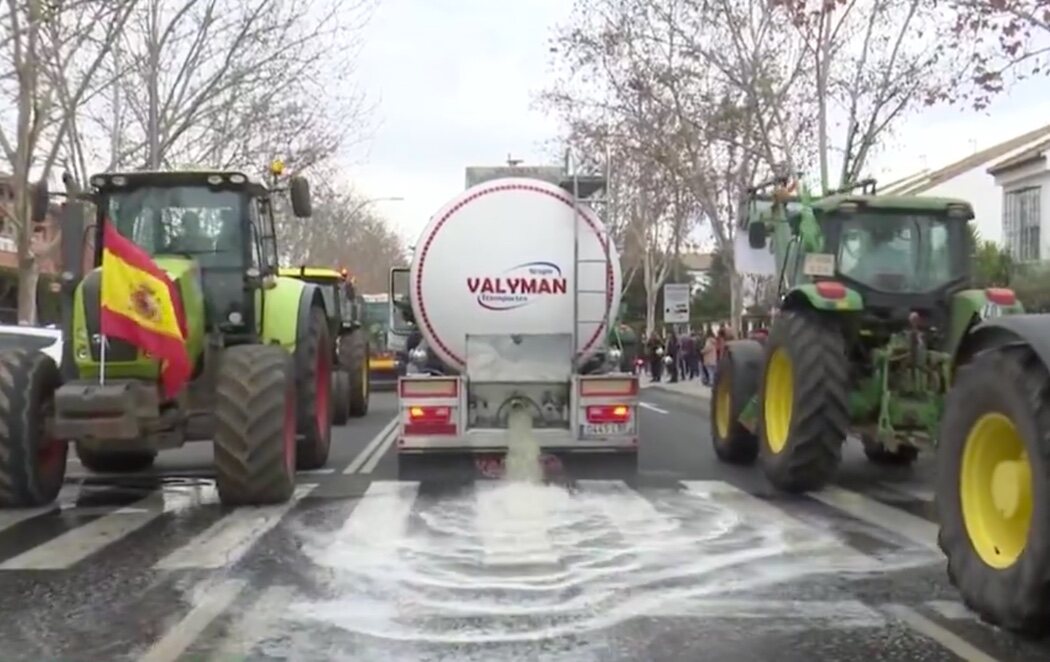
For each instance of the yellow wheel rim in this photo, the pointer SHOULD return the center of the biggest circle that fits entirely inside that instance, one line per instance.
(779, 399)
(723, 406)
(995, 488)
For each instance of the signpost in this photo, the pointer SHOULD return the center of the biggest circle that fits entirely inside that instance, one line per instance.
(676, 303)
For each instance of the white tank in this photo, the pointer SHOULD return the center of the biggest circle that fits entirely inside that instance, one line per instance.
(498, 259)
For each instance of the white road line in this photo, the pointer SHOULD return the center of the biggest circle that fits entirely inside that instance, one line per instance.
(513, 525)
(380, 518)
(361, 457)
(843, 613)
(380, 452)
(950, 609)
(916, 529)
(77, 544)
(9, 518)
(942, 636)
(652, 407)
(254, 625)
(315, 472)
(635, 518)
(227, 540)
(216, 599)
(796, 533)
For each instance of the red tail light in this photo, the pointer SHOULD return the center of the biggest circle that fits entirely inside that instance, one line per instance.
(608, 414)
(429, 420)
(1001, 296)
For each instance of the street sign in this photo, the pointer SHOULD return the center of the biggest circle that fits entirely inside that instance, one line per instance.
(676, 303)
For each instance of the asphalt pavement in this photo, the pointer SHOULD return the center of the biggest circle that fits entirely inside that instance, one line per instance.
(685, 559)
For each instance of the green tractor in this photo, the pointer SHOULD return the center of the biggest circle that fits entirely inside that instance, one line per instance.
(346, 317)
(875, 307)
(260, 345)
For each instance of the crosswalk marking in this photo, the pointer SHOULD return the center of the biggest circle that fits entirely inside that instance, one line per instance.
(215, 599)
(636, 519)
(10, 518)
(953, 642)
(254, 625)
(915, 529)
(226, 541)
(919, 492)
(950, 609)
(513, 524)
(797, 534)
(77, 544)
(380, 518)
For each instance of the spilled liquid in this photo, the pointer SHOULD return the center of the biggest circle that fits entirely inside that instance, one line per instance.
(517, 560)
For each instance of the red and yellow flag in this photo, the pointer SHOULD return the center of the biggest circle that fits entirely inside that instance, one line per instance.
(141, 305)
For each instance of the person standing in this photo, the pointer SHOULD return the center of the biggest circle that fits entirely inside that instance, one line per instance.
(709, 356)
(656, 347)
(673, 351)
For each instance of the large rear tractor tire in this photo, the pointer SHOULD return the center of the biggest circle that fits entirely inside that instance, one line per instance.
(340, 397)
(993, 488)
(115, 461)
(354, 357)
(803, 414)
(314, 387)
(255, 426)
(736, 383)
(32, 463)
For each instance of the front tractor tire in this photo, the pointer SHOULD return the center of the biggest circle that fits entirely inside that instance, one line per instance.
(803, 414)
(993, 488)
(340, 397)
(32, 463)
(255, 426)
(736, 383)
(314, 367)
(354, 358)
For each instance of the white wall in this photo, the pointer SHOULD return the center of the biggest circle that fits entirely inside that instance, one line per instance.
(1033, 174)
(980, 189)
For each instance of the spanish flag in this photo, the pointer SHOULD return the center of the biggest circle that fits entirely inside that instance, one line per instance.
(141, 305)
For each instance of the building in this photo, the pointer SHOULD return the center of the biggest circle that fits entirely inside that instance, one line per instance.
(697, 266)
(1025, 182)
(44, 233)
(976, 180)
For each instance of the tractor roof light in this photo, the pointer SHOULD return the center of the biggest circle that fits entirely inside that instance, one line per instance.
(959, 212)
(215, 180)
(277, 167)
(830, 289)
(98, 181)
(1001, 296)
(237, 178)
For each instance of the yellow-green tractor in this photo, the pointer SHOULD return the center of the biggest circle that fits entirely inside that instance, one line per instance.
(345, 308)
(259, 344)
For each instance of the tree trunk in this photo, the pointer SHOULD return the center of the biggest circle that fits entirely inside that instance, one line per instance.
(28, 277)
(153, 119)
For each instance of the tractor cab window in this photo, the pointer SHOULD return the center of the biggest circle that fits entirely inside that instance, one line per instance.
(899, 252)
(194, 221)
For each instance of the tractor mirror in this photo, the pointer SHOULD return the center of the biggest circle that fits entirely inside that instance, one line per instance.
(756, 235)
(299, 189)
(38, 201)
(400, 306)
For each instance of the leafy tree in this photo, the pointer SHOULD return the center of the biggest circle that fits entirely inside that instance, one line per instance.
(713, 301)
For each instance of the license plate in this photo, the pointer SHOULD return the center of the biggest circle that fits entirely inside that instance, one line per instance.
(604, 429)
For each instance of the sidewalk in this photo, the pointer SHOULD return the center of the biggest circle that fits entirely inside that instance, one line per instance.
(692, 388)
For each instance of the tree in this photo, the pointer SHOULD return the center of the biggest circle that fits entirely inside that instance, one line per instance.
(1006, 37)
(233, 84)
(342, 232)
(52, 59)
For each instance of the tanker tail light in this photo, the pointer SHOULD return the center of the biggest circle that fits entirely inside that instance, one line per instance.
(608, 414)
(429, 421)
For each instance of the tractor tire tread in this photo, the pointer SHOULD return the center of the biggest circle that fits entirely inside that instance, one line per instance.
(354, 358)
(28, 380)
(743, 365)
(314, 442)
(252, 390)
(820, 415)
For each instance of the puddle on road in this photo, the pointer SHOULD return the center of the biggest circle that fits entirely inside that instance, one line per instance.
(517, 560)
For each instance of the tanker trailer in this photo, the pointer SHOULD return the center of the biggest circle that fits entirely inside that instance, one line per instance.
(512, 289)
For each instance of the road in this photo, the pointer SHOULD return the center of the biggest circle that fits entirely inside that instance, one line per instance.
(687, 560)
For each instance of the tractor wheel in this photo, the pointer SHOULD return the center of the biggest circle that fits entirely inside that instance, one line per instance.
(32, 464)
(314, 377)
(340, 397)
(803, 415)
(355, 359)
(115, 461)
(736, 383)
(877, 453)
(993, 478)
(255, 407)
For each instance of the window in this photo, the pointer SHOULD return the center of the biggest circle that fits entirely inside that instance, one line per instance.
(193, 221)
(1021, 221)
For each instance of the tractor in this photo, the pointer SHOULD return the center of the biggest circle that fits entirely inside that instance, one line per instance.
(259, 344)
(874, 307)
(351, 351)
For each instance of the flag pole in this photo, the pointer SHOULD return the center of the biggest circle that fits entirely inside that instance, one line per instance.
(102, 360)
